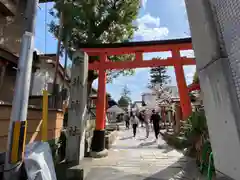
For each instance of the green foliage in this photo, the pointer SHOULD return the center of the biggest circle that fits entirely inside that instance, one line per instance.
(111, 74)
(192, 97)
(126, 92)
(96, 21)
(195, 78)
(158, 75)
(123, 101)
(196, 126)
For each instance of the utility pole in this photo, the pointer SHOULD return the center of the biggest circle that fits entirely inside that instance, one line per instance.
(17, 126)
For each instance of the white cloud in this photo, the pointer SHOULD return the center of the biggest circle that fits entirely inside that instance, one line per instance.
(144, 2)
(182, 3)
(148, 19)
(189, 73)
(187, 53)
(149, 28)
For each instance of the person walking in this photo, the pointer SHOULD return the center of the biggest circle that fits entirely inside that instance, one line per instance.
(147, 126)
(155, 119)
(146, 122)
(127, 119)
(141, 118)
(134, 120)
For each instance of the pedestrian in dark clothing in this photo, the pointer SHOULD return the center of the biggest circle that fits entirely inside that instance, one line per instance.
(155, 119)
(127, 119)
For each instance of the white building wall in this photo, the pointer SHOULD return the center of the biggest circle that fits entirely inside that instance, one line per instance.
(43, 77)
(149, 99)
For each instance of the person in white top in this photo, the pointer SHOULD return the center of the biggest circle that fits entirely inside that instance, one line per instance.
(134, 121)
(147, 121)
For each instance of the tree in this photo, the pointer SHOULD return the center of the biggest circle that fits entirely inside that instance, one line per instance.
(163, 94)
(126, 92)
(96, 21)
(123, 101)
(158, 76)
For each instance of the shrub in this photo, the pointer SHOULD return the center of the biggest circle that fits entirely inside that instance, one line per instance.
(195, 126)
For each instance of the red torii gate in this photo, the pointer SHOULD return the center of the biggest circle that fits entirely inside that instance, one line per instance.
(137, 48)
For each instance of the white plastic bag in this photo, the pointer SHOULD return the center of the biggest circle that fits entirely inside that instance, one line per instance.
(38, 162)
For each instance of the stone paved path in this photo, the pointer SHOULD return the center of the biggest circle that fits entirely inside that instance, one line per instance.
(140, 159)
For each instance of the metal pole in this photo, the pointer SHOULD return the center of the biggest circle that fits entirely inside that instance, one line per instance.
(21, 93)
(58, 54)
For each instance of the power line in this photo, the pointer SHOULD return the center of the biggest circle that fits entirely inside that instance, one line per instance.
(45, 38)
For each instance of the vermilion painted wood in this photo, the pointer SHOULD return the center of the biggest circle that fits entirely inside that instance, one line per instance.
(182, 86)
(143, 64)
(183, 91)
(101, 98)
(144, 49)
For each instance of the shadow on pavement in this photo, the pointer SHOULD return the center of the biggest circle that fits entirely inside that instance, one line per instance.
(126, 138)
(147, 143)
(173, 172)
(167, 149)
(188, 171)
(142, 139)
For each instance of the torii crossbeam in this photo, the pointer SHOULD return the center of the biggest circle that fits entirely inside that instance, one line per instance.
(137, 48)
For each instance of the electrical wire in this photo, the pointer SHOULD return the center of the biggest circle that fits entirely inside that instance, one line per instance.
(45, 38)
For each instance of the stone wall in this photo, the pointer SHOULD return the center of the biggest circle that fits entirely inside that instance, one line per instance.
(55, 122)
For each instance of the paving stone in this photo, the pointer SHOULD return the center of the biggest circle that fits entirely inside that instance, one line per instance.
(140, 159)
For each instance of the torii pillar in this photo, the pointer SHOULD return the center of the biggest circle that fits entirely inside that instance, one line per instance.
(182, 86)
(98, 141)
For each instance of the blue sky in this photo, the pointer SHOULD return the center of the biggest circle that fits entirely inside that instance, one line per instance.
(157, 19)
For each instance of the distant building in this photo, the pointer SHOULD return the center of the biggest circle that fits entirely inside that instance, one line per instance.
(92, 101)
(149, 99)
(170, 93)
(137, 106)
